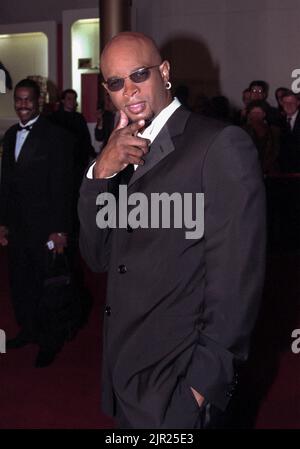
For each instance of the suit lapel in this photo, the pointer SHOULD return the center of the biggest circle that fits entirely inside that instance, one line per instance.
(160, 148)
(11, 145)
(163, 144)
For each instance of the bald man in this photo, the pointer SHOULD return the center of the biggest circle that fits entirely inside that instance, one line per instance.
(180, 309)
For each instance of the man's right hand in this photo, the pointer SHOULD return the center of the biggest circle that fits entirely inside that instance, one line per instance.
(3, 235)
(123, 148)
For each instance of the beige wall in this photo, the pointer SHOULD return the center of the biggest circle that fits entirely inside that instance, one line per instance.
(28, 55)
(23, 55)
(221, 45)
(16, 11)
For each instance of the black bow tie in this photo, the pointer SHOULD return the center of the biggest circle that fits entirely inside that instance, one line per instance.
(24, 128)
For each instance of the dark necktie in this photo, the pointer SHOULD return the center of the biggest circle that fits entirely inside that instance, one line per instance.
(26, 128)
(289, 123)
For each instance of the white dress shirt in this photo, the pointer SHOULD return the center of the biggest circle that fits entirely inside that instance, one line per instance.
(22, 136)
(293, 119)
(151, 131)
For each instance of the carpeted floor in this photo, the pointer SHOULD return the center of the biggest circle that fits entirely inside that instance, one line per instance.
(67, 394)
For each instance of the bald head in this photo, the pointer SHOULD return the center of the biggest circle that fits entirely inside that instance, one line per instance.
(124, 42)
(140, 97)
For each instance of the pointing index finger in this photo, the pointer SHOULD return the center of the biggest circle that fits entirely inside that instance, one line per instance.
(136, 126)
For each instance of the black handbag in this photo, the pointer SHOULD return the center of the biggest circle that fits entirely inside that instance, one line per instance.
(60, 308)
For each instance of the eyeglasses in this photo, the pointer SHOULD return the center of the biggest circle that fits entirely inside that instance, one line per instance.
(139, 76)
(255, 90)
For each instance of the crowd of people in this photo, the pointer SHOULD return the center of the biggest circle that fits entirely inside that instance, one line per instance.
(275, 131)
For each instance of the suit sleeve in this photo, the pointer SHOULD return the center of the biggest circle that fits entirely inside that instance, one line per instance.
(234, 257)
(61, 181)
(4, 185)
(94, 242)
(86, 144)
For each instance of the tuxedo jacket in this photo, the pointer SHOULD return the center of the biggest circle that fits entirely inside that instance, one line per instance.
(103, 134)
(75, 123)
(36, 190)
(180, 312)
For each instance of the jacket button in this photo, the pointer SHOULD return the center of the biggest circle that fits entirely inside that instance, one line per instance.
(229, 394)
(108, 310)
(122, 269)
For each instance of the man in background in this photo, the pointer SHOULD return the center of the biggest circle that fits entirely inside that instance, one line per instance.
(35, 208)
(259, 90)
(68, 118)
(107, 118)
(73, 121)
(290, 139)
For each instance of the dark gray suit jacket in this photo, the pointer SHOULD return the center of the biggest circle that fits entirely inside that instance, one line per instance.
(181, 312)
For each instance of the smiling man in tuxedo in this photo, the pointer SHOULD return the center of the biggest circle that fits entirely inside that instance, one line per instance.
(35, 201)
(179, 312)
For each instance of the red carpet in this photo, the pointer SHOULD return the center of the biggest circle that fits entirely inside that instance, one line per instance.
(281, 406)
(66, 395)
(274, 368)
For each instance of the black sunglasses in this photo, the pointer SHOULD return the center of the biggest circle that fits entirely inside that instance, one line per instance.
(139, 76)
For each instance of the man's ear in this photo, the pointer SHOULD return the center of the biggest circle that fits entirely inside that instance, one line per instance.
(165, 70)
